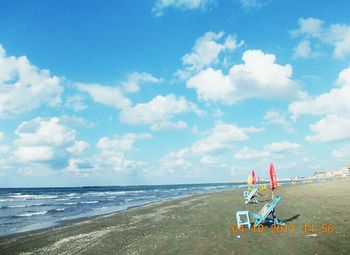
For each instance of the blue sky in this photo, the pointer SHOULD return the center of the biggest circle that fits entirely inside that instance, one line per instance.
(176, 91)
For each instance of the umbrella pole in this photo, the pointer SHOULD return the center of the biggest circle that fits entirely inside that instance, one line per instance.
(273, 196)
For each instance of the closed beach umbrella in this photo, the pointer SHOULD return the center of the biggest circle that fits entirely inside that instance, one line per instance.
(250, 180)
(253, 177)
(273, 178)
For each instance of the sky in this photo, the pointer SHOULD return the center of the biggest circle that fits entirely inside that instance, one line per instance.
(172, 91)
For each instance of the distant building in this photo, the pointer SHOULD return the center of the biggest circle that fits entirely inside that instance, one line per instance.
(334, 173)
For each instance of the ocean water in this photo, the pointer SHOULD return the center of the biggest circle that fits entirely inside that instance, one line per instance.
(26, 209)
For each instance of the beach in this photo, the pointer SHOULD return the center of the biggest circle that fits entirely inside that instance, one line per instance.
(202, 224)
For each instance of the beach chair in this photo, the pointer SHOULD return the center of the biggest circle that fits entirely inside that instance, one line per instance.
(251, 197)
(267, 213)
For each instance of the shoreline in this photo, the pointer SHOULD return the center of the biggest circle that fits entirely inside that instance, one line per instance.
(71, 222)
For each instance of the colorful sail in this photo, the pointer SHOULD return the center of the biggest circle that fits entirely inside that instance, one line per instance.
(253, 177)
(250, 180)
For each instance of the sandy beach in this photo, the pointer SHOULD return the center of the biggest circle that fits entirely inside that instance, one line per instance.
(202, 224)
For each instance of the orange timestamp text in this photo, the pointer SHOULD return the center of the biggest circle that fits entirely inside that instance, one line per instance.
(285, 229)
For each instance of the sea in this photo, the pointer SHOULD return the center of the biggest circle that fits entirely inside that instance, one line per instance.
(27, 209)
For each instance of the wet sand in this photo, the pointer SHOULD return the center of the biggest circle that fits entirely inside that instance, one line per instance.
(202, 224)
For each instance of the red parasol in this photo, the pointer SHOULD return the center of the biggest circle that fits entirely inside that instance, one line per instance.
(253, 176)
(273, 178)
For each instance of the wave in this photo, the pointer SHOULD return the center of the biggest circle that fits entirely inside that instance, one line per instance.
(57, 210)
(22, 206)
(33, 197)
(70, 203)
(89, 202)
(6, 200)
(30, 214)
(71, 194)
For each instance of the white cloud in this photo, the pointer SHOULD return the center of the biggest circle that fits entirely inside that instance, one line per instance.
(247, 153)
(44, 132)
(206, 50)
(222, 136)
(112, 151)
(111, 96)
(212, 85)
(304, 50)
(159, 110)
(336, 101)
(344, 77)
(336, 35)
(74, 121)
(80, 166)
(279, 118)
(35, 153)
(259, 76)
(44, 140)
(78, 147)
(120, 143)
(175, 161)
(136, 79)
(331, 128)
(281, 147)
(113, 161)
(76, 102)
(342, 153)
(339, 36)
(210, 160)
(310, 27)
(168, 125)
(25, 87)
(268, 151)
(161, 5)
(253, 4)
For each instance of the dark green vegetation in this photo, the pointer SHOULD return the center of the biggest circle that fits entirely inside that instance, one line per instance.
(202, 225)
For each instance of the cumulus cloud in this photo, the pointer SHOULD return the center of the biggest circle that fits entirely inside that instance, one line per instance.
(112, 151)
(161, 5)
(310, 27)
(176, 160)
(75, 102)
(206, 52)
(78, 147)
(248, 153)
(25, 87)
(120, 143)
(168, 125)
(335, 108)
(157, 111)
(223, 136)
(280, 147)
(335, 35)
(111, 96)
(331, 128)
(254, 4)
(80, 166)
(134, 80)
(259, 76)
(210, 160)
(47, 141)
(279, 118)
(268, 151)
(304, 50)
(336, 101)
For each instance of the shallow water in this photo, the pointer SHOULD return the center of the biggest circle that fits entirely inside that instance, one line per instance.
(25, 209)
